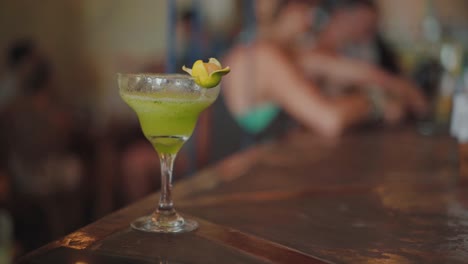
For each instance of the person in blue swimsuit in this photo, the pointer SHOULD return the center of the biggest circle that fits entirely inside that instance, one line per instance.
(279, 70)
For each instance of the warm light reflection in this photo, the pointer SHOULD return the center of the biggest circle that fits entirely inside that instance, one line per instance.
(78, 240)
(389, 259)
(398, 194)
(371, 256)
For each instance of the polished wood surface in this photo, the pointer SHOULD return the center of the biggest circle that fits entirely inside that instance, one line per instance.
(378, 196)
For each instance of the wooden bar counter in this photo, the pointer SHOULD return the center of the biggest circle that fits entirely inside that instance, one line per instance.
(377, 196)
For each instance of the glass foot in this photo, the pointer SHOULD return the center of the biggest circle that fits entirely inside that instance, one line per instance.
(150, 224)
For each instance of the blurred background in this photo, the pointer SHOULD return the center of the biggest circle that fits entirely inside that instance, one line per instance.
(71, 151)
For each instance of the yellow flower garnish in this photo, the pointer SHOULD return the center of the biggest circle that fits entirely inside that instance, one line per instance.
(207, 74)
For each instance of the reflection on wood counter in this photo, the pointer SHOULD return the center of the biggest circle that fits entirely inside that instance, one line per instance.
(375, 197)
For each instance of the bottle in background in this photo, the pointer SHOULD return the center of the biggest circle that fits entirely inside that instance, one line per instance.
(451, 59)
(459, 124)
(440, 67)
(6, 238)
(463, 160)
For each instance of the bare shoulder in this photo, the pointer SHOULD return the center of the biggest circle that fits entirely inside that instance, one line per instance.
(271, 54)
(261, 51)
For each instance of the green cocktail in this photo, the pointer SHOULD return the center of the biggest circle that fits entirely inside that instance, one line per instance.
(168, 106)
(167, 120)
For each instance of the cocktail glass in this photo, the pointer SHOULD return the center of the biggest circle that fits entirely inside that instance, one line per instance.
(167, 106)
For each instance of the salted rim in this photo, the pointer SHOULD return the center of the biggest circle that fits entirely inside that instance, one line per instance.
(171, 76)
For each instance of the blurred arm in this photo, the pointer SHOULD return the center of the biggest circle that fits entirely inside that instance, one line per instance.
(278, 80)
(350, 71)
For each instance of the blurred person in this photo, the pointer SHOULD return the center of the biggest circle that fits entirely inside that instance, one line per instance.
(271, 74)
(348, 51)
(11, 82)
(36, 133)
(17, 68)
(38, 126)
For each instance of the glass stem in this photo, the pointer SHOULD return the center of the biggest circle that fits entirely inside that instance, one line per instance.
(165, 200)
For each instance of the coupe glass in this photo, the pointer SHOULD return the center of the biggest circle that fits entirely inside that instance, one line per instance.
(167, 106)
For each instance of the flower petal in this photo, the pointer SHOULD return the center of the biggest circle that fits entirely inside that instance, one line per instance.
(187, 70)
(199, 70)
(214, 61)
(207, 75)
(222, 72)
